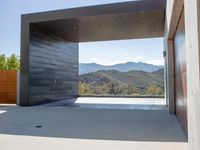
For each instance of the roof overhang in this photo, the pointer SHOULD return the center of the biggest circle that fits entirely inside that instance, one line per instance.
(127, 20)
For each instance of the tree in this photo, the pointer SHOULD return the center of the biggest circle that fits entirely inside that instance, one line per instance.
(154, 90)
(13, 62)
(81, 88)
(9, 63)
(113, 88)
(3, 62)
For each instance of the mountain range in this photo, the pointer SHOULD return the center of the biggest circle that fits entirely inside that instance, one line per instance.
(135, 82)
(85, 68)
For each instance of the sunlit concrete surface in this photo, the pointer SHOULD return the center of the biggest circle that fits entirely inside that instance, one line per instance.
(113, 103)
(48, 143)
(2, 111)
(7, 105)
(50, 128)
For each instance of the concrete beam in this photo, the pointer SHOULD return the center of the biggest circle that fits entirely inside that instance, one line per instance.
(173, 9)
(116, 26)
(105, 9)
(127, 20)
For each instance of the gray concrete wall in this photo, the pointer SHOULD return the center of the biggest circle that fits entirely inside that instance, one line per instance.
(192, 38)
(53, 67)
(24, 61)
(18, 88)
(169, 68)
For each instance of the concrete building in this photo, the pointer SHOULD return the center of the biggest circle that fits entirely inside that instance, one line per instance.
(49, 50)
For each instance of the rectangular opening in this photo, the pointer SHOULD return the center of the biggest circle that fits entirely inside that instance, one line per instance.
(122, 68)
(132, 70)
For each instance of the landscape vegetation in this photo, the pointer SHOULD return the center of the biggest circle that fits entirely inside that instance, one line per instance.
(9, 63)
(132, 79)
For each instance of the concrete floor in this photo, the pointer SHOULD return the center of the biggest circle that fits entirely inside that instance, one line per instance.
(47, 127)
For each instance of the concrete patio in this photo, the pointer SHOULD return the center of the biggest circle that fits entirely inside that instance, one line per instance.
(53, 126)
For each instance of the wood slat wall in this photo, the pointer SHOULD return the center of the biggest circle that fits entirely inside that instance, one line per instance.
(8, 87)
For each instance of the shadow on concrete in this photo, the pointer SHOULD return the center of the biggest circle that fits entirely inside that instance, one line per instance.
(103, 124)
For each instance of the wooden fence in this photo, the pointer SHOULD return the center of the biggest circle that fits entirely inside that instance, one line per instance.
(8, 87)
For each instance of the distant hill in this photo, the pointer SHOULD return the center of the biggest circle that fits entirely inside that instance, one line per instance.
(123, 67)
(133, 82)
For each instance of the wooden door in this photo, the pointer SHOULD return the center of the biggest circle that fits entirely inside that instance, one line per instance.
(180, 73)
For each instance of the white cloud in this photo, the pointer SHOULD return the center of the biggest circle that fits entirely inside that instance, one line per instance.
(139, 58)
(156, 62)
(95, 59)
(126, 56)
(108, 63)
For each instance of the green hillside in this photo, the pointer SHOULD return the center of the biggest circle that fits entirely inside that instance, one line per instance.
(112, 82)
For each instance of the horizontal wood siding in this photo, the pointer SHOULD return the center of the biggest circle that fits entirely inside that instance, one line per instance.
(8, 87)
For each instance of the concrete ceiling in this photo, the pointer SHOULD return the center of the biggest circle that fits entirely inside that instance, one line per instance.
(129, 20)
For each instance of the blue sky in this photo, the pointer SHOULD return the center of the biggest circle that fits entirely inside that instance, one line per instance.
(107, 53)
(113, 52)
